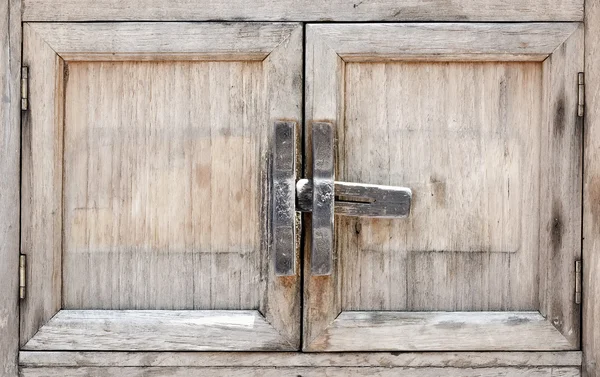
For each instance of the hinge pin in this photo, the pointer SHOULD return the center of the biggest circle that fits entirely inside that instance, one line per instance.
(24, 88)
(580, 94)
(22, 276)
(578, 282)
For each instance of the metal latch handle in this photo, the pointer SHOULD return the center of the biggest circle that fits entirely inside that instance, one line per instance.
(322, 196)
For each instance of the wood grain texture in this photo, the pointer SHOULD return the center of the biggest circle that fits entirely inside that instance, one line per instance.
(506, 104)
(10, 145)
(561, 169)
(41, 184)
(157, 330)
(149, 147)
(299, 359)
(303, 10)
(445, 42)
(163, 41)
(162, 197)
(591, 194)
(295, 372)
(437, 331)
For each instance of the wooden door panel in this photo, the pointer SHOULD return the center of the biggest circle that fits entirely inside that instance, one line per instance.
(146, 191)
(171, 216)
(480, 122)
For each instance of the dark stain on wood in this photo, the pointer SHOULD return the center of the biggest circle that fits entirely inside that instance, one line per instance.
(556, 231)
(516, 321)
(559, 116)
(438, 191)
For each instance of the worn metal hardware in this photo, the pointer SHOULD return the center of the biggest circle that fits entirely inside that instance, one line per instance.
(359, 199)
(580, 94)
(283, 188)
(24, 88)
(322, 199)
(578, 277)
(22, 275)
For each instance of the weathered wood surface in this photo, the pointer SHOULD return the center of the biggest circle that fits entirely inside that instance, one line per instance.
(591, 194)
(149, 147)
(297, 359)
(163, 41)
(444, 42)
(41, 184)
(437, 331)
(462, 125)
(303, 10)
(295, 372)
(561, 188)
(157, 330)
(10, 145)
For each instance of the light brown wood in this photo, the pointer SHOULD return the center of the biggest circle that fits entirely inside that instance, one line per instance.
(303, 10)
(304, 372)
(591, 194)
(431, 331)
(163, 41)
(41, 184)
(148, 149)
(418, 124)
(560, 192)
(157, 330)
(298, 359)
(444, 42)
(10, 137)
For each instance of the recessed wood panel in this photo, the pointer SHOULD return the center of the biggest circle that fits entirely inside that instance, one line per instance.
(465, 138)
(162, 185)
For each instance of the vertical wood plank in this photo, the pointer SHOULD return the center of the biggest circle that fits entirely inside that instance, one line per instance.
(10, 143)
(41, 201)
(591, 194)
(560, 191)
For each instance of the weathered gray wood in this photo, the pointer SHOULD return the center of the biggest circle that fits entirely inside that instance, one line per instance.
(466, 138)
(143, 141)
(444, 42)
(591, 194)
(437, 331)
(303, 10)
(561, 187)
(163, 41)
(157, 330)
(298, 359)
(295, 372)
(41, 184)
(10, 143)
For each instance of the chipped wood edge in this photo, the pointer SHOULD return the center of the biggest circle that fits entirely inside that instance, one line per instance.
(10, 141)
(591, 195)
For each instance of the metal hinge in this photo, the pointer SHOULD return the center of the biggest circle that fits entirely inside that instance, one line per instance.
(578, 282)
(22, 275)
(24, 88)
(580, 93)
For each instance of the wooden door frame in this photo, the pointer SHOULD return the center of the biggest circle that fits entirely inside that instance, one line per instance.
(10, 132)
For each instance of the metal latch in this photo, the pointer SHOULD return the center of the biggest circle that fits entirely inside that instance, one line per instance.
(578, 279)
(322, 196)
